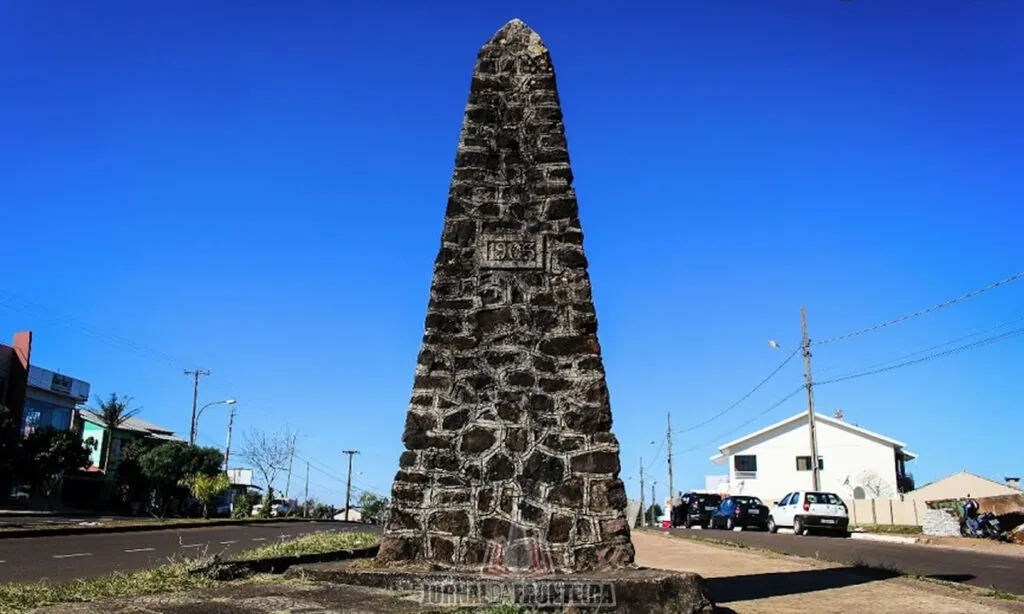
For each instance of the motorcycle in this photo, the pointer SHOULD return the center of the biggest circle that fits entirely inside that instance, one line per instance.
(984, 525)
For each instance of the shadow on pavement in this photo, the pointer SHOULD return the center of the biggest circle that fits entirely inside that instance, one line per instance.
(759, 586)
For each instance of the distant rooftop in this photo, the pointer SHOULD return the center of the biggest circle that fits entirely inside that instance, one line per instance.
(133, 424)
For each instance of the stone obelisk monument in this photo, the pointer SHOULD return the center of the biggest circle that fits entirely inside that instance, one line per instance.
(508, 434)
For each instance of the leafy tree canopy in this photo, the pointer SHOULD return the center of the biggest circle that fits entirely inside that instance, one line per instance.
(167, 464)
(47, 453)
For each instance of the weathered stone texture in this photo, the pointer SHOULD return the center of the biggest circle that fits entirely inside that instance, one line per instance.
(509, 421)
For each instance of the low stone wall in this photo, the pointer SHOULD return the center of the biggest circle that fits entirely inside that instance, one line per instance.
(941, 523)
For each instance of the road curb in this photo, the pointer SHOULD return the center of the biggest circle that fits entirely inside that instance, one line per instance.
(878, 537)
(64, 531)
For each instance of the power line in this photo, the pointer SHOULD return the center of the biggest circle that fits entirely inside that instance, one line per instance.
(963, 348)
(932, 347)
(744, 397)
(771, 408)
(922, 312)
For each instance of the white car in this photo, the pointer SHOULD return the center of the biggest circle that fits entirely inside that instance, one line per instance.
(810, 510)
(278, 507)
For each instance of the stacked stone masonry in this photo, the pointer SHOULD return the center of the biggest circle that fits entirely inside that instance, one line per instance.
(508, 432)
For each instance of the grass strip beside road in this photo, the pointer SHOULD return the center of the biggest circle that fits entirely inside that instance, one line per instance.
(172, 577)
(314, 543)
(891, 529)
(87, 526)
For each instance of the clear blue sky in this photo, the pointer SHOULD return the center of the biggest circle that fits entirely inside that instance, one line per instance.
(258, 188)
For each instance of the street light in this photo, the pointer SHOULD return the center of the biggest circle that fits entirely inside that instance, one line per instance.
(195, 422)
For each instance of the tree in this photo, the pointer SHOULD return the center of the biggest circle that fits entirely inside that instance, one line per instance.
(166, 465)
(9, 448)
(268, 453)
(46, 454)
(206, 487)
(115, 411)
(657, 513)
(374, 509)
(870, 481)
(321, 511)
(244, 502)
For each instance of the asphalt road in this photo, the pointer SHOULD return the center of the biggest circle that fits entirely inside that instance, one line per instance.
(62, 558)
(43, 520)
(978, 568)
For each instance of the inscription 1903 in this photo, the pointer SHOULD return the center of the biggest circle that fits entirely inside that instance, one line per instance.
(511, 252)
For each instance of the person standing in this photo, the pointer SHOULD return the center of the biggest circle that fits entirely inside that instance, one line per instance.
(677, 509)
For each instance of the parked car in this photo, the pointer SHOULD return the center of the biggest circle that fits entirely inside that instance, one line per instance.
(740, 511)
(278, 507)
(806, 511)
(698, 507)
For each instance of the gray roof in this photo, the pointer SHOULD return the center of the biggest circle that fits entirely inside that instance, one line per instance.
(132, 424)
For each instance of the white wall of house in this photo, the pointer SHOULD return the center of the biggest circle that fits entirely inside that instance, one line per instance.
(845, 454)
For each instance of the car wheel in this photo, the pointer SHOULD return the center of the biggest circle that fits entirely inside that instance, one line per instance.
(798, 527)
(730, 525)
(771, 525)
(688, 523)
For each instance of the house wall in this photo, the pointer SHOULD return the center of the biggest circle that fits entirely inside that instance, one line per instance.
(960, 485)
(844, 453)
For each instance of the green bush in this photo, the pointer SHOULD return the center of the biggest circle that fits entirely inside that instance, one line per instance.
(243, 504)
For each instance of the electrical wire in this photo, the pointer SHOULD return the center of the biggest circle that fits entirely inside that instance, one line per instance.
(819, 371)
(963, 348)
(922, 312)
(744, 397)
(656, 456)
(761, 413)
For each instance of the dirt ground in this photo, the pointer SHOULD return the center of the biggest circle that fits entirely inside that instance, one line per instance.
(748, 582)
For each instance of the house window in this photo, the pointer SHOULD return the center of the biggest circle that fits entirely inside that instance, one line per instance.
(803, 463)
(745, 466)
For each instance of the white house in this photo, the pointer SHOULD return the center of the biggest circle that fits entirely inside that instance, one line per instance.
(853, 462)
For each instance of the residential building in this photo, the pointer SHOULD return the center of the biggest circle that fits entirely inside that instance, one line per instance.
(92, 427)
(961, 484)
(14, 364)
(853, 462)
(51, 399)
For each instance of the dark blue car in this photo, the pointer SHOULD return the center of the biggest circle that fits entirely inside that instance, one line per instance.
(740, 511)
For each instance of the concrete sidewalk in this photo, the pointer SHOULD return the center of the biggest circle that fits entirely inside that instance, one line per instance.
(753, 582)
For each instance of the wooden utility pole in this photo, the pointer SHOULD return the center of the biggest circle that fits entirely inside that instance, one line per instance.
(348, 485)
(196, 374)
(653, 504)
(809, 383)
(305, 500)
(643, 513)
(668, 436)
(227, 447)
(291, 457)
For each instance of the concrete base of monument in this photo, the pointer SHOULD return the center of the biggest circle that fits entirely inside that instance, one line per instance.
(623, 591)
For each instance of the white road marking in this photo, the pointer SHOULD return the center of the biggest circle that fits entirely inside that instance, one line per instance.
(259, 539)
(230, 541)
(192, 545)
(68, 556)
(285, 535)
(140, 550)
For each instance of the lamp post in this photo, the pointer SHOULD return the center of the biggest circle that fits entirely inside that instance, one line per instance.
(195, 423)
